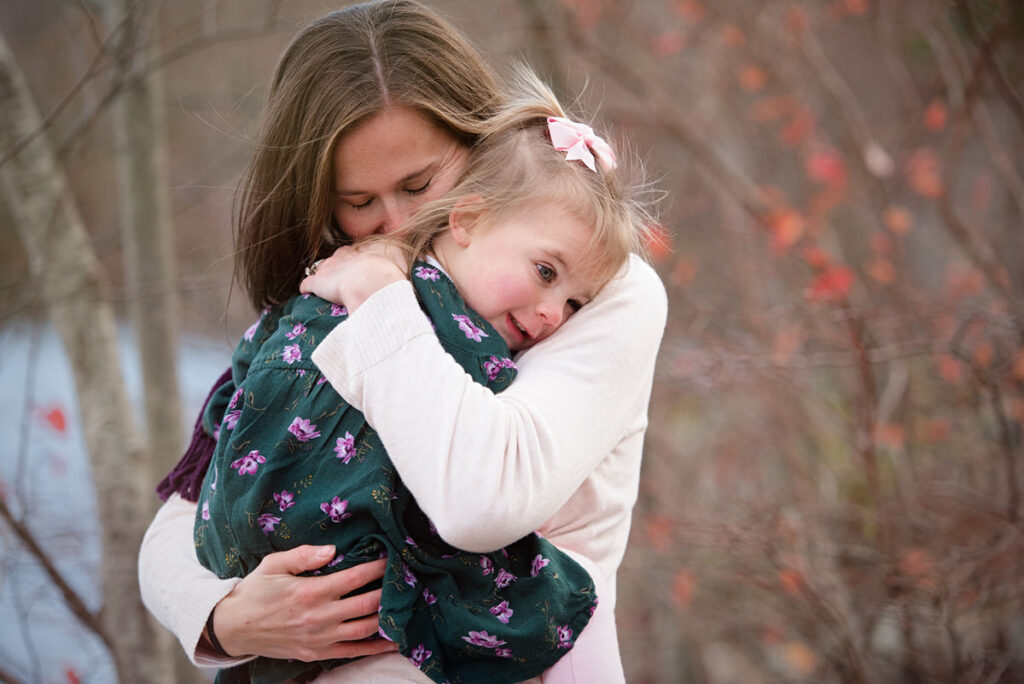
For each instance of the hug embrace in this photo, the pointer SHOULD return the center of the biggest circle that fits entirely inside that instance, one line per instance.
(422, 463)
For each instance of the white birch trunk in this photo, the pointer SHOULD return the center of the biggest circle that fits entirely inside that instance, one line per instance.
(74, 288)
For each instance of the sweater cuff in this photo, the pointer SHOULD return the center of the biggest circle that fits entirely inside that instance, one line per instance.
(199, 608)
(389, 319)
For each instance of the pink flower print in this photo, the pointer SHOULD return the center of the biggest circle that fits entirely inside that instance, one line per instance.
(337, 559)
(296, 330)
(472, 332)
(267, 522)
(231, 419)
(487, 564)
(346, 448)
(503, 652)
(482, 638)
(291, 354)
(494, 366)
(303, 429)
(538, 563)
(380, 631)
(206, 510)
(502, 612)
(564, 637)
(284, 499)
(338, 310)
(336, 509)
(419, 655)
(247, 465)
(410, 578)
(427, 273)
(411, 542)
(235, 397)
(429, 598)
(250, 332)
(504, 578)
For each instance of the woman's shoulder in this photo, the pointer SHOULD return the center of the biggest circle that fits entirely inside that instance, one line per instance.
(635, 292)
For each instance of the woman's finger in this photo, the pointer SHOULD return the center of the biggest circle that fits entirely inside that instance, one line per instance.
(340, 584)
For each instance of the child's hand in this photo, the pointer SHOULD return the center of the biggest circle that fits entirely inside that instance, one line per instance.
(354, 273)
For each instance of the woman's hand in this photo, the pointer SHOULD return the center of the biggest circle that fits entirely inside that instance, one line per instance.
(273, 613)
(354, 273)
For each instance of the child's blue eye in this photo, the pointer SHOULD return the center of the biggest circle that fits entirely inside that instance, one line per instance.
(546, 273)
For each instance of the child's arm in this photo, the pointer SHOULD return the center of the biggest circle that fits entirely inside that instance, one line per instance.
(514, 458)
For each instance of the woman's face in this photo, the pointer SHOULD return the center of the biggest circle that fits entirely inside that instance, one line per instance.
(388, 166)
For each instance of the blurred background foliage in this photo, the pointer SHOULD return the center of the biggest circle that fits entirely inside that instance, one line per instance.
(832, 479)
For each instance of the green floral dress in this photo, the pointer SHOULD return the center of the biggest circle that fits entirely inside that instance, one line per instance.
(296, 464)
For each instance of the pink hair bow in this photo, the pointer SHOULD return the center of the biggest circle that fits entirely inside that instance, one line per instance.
(579, 141)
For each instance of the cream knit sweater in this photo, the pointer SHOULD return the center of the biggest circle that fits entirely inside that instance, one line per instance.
(559, 451)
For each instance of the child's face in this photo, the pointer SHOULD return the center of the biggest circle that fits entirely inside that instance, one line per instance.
(524, 273)
(388, 166)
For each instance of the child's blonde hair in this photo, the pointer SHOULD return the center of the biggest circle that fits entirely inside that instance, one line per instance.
(514, 164)
(338, 72)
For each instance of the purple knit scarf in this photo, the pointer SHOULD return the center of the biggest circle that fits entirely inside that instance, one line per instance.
(186, 478)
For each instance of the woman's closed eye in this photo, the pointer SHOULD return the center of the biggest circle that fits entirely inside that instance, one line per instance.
(420, 190)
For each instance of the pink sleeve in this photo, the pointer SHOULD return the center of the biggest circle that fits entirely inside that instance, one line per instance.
(513, 458)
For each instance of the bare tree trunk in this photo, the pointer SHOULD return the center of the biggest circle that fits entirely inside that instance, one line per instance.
(75, 291)
(147, 228)
(147, 234)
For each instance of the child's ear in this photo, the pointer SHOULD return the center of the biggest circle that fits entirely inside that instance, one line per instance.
(463, 218)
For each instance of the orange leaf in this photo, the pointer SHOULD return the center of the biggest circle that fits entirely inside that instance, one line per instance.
(935, 116)
(733, 36)
(898, 220)
(659, 530)
(937, 430)
(881, 244)
(800, 125)
(668, 43)
(950, 369)
(983, 354)
(770, 108)
(690, 10)
(683, 585)
(890, 434)
(881, 271)
(815, 256)
(800, 657)
(796, 20)
(917, 564)
(787, 227)
(826, 166)
(1018, 366)
(684, 272)
(792, 580)
(832, 283)
(924, 173)
(55, 417)
(752, 78)
(856, 6)
(659, 242)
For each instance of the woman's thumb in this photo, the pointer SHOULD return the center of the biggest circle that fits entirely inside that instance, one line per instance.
(298, 560)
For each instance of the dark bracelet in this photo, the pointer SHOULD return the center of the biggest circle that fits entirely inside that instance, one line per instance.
(212, 636)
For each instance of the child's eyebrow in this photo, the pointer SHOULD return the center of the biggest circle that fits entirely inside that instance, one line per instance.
(404, 179)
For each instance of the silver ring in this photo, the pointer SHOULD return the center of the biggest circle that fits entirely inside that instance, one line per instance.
(311, 270)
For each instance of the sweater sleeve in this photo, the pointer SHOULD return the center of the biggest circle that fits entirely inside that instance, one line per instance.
(177, 590)
(513, 458)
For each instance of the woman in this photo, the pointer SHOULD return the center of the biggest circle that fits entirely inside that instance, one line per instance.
(563, 443)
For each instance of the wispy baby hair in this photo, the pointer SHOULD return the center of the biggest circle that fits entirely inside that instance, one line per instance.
(515, 164)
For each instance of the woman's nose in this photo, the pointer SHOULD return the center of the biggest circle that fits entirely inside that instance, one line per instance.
(393, 218)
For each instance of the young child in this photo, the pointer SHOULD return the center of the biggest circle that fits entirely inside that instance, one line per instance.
(537, 224)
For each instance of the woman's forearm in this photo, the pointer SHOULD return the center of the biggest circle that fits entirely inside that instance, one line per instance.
(515, 457)
(177, 590)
